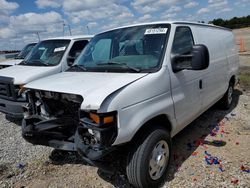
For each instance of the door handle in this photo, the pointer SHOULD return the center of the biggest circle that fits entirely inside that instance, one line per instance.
(200, 84)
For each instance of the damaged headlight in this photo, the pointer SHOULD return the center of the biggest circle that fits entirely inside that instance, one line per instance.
(102, 126)
(20, 92)
(99, 119)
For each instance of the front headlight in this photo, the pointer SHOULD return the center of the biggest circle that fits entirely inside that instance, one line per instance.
(20, 92)
(99, 119)
(101, 126)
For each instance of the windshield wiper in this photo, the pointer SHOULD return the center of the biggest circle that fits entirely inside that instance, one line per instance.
(121, 64)
(19, 57)
(23, 63)
(79, 66)
(39, 62)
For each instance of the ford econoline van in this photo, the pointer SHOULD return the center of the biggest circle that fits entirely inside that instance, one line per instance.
(138, 85)
(49, 57)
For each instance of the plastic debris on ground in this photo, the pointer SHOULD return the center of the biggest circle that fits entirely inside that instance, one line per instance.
(195, 153)
(235, 181)
(20, 166)
(233, 114)
(210, 160)
(244, 169)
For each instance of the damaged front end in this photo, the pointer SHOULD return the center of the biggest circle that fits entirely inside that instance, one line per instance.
(51, 119)
(95, 134)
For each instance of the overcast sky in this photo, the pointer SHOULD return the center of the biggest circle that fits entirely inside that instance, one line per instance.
(20, 20)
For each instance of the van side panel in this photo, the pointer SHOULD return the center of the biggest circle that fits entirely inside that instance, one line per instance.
(232, 55)
(215, 77)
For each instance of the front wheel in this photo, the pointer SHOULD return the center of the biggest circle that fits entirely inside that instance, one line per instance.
(148, 161)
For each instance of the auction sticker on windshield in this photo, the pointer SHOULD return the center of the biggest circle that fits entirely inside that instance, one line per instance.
(156, 31)
(59, 49)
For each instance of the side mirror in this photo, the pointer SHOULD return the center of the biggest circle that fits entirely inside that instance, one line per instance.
(197, 60)
(70, 60)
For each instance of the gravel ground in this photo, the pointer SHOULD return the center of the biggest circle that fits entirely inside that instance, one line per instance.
(13, 148)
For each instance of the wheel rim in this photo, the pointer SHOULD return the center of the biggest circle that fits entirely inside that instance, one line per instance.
(159, 160)
(230, 95)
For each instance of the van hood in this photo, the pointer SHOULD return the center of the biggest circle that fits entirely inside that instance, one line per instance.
(11, 62)
(24, 74)
(93, 87)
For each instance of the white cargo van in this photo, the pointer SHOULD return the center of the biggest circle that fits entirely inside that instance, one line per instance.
(19, 58)
(139, 84)
(49, 57)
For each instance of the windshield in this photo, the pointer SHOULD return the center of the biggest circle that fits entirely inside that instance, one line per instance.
(132, 49)
(47, 53)
(25, 51)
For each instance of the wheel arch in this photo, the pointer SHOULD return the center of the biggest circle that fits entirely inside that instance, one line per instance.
(160, 121)
(233, 79)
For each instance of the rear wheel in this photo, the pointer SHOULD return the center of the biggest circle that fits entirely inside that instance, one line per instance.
(148, 161)
(227, 99)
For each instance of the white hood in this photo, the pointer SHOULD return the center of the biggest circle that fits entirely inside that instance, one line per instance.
(93, 87)
(11, 62)
(24, 74)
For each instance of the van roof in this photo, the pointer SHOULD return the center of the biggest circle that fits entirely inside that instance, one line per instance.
(171, 22)
(72, 37)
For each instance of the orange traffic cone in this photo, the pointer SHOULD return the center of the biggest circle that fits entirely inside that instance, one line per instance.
(242, 45)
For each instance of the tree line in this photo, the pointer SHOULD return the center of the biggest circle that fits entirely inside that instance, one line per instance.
(233, 23)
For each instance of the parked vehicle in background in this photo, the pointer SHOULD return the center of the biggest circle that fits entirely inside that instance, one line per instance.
(19, 58)
(48, 57)
(137, 85)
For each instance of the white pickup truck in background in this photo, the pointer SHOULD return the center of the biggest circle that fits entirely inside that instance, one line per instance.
(48, 57)
(19, 58)
(135, 86)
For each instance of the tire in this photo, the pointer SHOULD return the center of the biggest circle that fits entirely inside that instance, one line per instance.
(143, 157)
(227, 99)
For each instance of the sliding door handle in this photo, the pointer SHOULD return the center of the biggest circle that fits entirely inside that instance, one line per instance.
(200, 84)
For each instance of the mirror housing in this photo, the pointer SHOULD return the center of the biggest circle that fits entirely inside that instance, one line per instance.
(197, 60)
(70, 60)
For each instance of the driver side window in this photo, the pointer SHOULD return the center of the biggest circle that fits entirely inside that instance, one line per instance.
(102, 50)
(183, 41)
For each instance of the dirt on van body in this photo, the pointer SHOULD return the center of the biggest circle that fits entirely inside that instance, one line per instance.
(213, 151)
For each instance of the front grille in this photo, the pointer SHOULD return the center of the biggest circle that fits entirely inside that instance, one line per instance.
(7, 89)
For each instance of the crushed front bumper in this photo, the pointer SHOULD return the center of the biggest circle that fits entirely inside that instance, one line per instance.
(56, 133)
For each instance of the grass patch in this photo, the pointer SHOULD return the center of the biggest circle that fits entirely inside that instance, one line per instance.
(244, 77)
